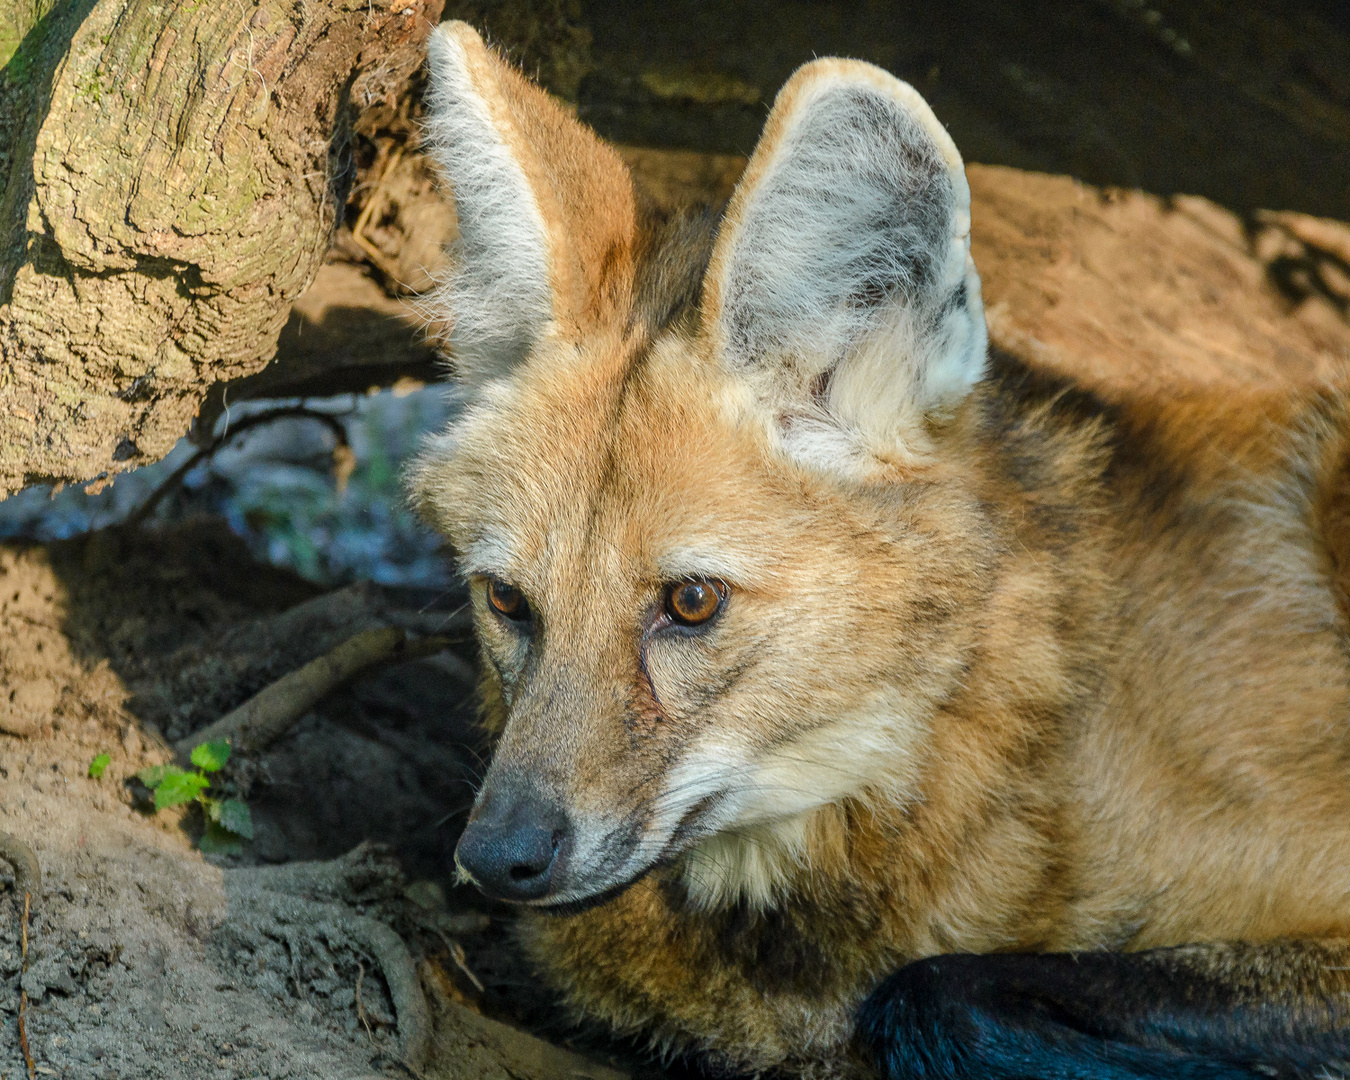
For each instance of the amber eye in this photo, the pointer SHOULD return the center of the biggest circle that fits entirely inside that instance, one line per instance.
(694, 602)
(507, 600)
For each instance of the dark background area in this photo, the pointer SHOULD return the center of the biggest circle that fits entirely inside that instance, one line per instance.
(1246, 103)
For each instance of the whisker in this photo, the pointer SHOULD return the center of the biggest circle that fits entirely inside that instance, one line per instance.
(449, 617)
(442, 820)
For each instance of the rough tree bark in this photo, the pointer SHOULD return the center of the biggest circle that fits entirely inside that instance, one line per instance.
(173, 176)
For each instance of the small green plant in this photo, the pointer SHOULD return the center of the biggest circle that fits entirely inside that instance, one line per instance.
(228, 822)
(97, 766)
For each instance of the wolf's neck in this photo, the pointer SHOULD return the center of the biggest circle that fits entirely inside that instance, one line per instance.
(761, 865)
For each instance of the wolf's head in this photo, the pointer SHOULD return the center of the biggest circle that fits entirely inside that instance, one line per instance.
(698, 482)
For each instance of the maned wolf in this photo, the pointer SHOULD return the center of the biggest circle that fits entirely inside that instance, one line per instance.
(866, 701)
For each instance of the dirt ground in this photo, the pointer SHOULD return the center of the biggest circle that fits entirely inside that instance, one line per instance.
(148, 959)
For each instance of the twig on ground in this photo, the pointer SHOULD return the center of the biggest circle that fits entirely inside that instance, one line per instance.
(271, 712)
(170, 482)
(377, 257)
(23, 994)
(360, 1005)
(27, 872)
(456, 951)
(461, 962)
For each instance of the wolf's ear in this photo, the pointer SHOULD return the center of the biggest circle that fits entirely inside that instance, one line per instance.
(841, 283)
(546, 210)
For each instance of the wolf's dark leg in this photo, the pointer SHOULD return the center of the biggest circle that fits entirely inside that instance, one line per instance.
(1279, 1011)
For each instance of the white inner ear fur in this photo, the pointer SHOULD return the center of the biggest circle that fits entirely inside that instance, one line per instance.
(845, 290)
(499, 296)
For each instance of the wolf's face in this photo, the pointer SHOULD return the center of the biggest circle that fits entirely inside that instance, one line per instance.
(717, 576)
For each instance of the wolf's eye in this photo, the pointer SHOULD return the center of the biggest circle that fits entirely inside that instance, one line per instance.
(692, 602)
(507, 600)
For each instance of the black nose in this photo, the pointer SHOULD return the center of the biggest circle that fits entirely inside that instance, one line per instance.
(512, 846)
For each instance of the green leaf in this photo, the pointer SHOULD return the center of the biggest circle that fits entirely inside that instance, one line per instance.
(232, 814)
(219, 841)
(99, 763)
(211, 756)
(179, 787)
(151, 775)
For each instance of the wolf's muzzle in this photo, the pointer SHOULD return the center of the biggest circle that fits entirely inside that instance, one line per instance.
(513, 846)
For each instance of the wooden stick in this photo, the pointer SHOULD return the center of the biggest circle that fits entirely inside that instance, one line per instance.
(23, 995)
(275, 709)
(271, 712)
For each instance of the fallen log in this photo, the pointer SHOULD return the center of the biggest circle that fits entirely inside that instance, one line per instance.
(173, 174)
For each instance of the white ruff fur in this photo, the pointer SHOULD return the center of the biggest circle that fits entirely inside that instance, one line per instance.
(780, 806)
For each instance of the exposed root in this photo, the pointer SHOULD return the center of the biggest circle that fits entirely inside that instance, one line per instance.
(170, 483)
(23, 994)
(273, 899)
(275, 709)
(366, 873)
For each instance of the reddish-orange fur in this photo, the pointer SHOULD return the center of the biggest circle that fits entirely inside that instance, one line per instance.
(1108, 647)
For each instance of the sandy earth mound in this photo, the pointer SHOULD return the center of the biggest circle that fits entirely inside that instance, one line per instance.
(147, 960)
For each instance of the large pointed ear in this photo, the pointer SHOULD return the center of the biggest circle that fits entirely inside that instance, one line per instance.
(841, 283)
(546, 210)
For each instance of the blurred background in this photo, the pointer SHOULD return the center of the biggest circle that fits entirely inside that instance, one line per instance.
(311, 485)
